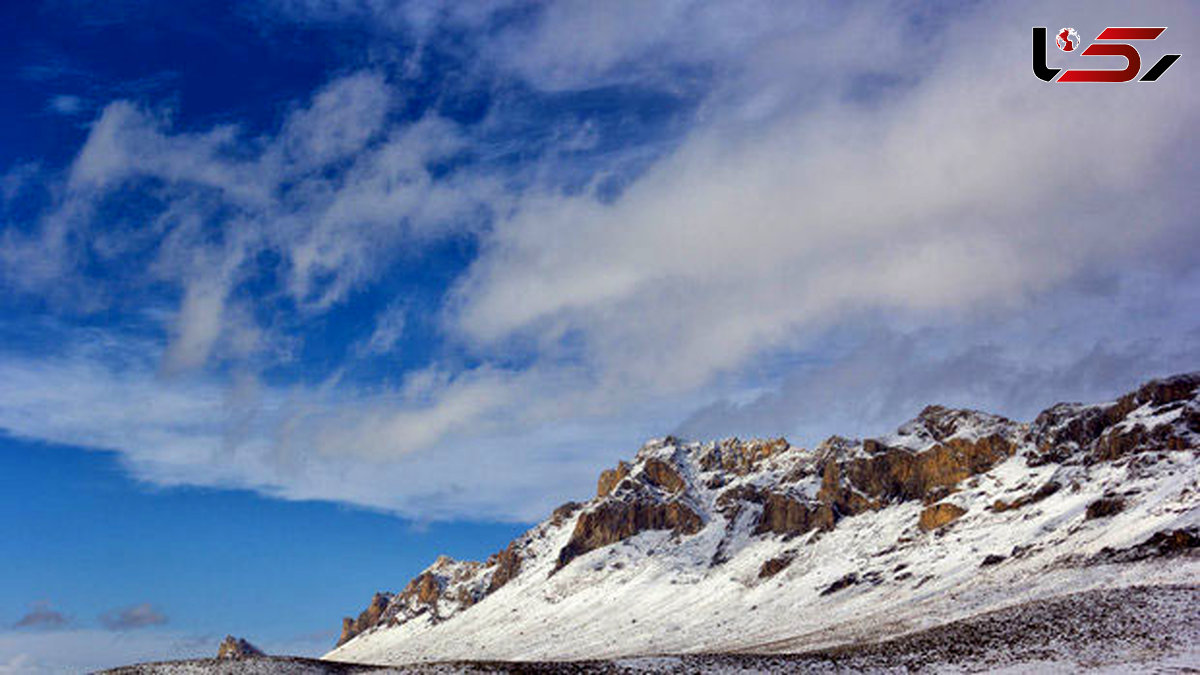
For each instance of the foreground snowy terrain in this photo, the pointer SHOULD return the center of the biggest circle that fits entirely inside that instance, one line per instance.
(1118, 631)
(964, 541)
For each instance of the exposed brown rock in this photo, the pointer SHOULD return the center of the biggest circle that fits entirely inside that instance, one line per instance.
(1105, 507)
(735, 496)
(1164, 391)
(741, 457)
(612, 521)
(940, 515)
(845, 582)
(775, 565)
(507, 564)
(942, 422)
(894, 474)
(560, 514)
(1173, 541)
(937, 494)
(730, 504)
(424, 587)
(368, 618)
(237, 648)
(783, 514)
(1162, 544)
(1034, 497)
(609, 479)
(1117, 442)
(853, 482)
(1093, 433)
(661, 474)
(840, 495)
(1064, 429)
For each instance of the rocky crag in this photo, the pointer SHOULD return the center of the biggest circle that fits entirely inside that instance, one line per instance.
(237, 648)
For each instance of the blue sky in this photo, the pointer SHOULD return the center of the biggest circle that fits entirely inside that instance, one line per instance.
(89, 541)
(297, 294)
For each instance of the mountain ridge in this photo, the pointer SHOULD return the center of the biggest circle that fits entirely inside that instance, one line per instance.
(689, 514)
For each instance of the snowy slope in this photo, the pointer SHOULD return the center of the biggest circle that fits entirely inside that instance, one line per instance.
(764, 547)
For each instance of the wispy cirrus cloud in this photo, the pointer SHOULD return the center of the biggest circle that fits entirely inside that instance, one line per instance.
(336, 208)
(389, 329)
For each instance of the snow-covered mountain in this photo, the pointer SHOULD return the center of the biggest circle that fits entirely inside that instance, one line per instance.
(760, 546)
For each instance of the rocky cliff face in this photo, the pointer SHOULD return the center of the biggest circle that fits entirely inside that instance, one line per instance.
(768, 502)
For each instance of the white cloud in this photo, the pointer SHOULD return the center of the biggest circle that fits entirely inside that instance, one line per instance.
(976, 185)
(339, 122)
(199, 326)
(326, 442)
(1087, 343)
(66, 104)
(902, 170)
(336, 192)
(389, 329)
(127, 142)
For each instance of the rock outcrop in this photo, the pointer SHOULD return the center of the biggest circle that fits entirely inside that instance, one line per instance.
(939, 515)
(615, 521)
(1105, 507)
(609, 478)
(789, 515)
(1070, 432)
(368, 618)
(237, 648)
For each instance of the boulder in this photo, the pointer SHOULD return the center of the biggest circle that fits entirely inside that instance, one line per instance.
(1105, 507)
(940, 515)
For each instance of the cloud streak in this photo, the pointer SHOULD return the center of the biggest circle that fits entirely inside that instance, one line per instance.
(42, 616)
(142, 615)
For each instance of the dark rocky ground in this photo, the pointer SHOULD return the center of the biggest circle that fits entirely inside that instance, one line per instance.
(1140, 629)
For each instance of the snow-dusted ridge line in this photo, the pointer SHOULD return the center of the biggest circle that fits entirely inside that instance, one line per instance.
(762, 546)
